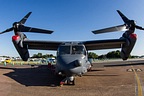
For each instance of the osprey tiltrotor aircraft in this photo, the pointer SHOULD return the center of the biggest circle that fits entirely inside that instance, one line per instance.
(72, 57)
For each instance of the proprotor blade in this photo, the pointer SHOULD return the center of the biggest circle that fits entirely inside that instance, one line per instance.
(125, 19)
(23, 20)
(139, 27)
(7, 30)
(35, 30)
(110, 29)
(129, 26)
(19, 27)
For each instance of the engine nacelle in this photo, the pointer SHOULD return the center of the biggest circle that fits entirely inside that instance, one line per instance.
(22, 49)
(128, 46)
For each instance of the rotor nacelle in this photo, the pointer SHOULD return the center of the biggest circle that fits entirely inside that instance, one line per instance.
(22, 49)
(128, 46)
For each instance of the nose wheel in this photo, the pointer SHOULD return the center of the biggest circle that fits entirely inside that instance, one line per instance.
(68, 81)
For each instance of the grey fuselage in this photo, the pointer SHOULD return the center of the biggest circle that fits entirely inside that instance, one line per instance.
(72, 59)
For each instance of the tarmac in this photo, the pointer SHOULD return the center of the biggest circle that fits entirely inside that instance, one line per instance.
(127, 79)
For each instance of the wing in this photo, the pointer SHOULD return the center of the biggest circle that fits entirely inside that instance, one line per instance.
(42, 45)
(104, 44)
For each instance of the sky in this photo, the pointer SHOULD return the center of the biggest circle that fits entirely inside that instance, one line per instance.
(71, 20)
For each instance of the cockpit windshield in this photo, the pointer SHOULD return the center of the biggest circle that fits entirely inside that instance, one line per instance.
(64, 50)
(78, 49)
(71, 49)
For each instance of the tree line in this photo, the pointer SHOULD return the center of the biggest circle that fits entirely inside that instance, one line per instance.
(40, 55)
(109, 55)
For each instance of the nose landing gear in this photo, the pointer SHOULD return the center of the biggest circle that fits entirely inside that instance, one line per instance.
(68, 80)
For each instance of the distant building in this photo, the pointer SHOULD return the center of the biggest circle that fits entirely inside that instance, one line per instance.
(2, 59)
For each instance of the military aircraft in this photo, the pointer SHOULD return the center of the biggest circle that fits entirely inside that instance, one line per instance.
(72, 57)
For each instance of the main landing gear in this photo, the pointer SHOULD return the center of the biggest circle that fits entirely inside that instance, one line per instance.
(68, 80)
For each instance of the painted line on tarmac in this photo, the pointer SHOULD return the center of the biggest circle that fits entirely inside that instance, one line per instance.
(139, 86)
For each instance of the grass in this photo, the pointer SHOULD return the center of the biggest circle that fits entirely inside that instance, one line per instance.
(22, 62)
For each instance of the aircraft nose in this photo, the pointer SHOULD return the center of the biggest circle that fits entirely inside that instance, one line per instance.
(78, 63)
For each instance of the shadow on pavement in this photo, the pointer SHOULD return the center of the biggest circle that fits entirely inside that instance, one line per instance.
(38, 76)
